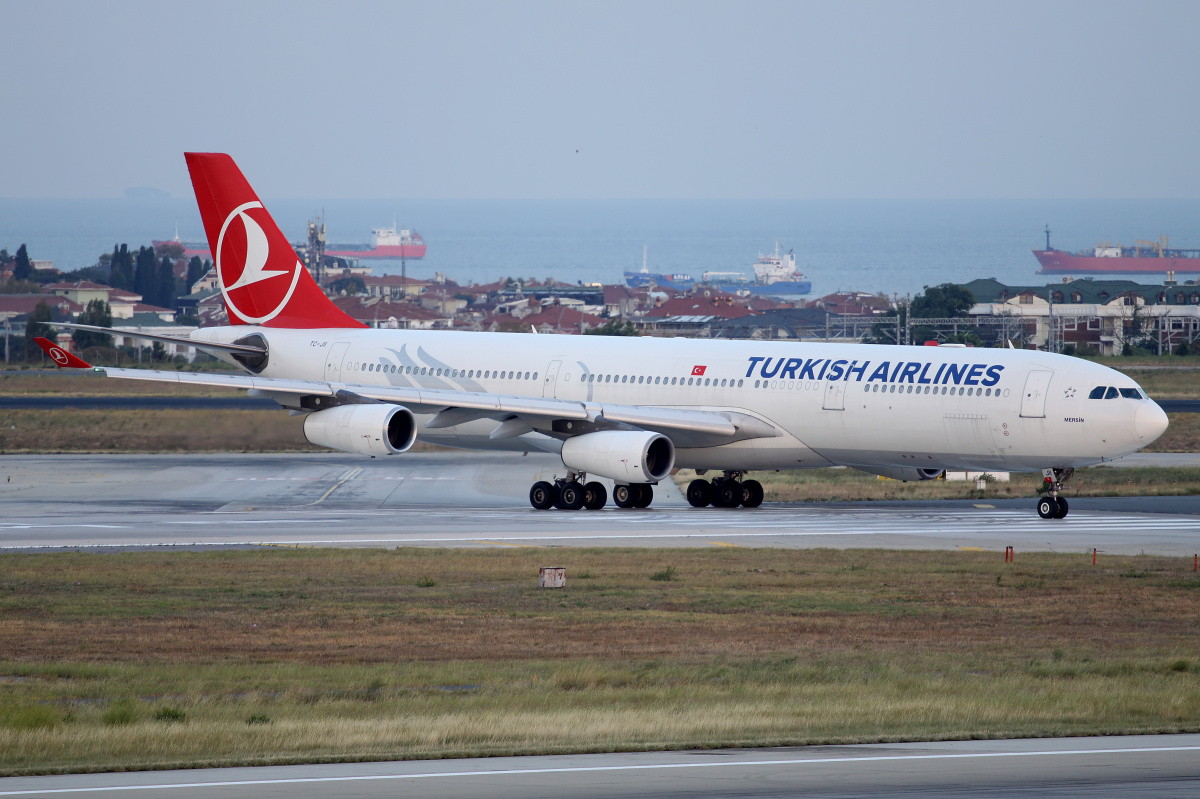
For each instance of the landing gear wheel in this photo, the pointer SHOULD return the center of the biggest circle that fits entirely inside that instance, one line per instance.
(595, 496)
(1062, 508)
(699, 493)
(728, 494)
(543, 495)
(752, 493)
(570, 496)
(645, 495)
(624, 496)
(1048, 508)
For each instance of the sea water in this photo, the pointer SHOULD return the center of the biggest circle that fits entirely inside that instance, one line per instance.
(895, 247)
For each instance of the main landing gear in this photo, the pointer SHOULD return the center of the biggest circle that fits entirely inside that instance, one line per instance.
(727, 491)
(571, 493)
(1052, 506)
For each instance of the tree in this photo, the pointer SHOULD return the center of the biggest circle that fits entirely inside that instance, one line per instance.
(348, 286)
(196, 270)
(947, 301)
(121, 274)
(36, 327)
(99, 314)
(22, 270)
(166, 284)
(4, 257)
(145, 274)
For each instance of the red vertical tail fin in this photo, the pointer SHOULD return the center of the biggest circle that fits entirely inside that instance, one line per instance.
(261, 279)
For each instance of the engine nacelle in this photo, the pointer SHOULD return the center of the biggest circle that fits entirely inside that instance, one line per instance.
(909, 474)
(632, 456)
(370, 429)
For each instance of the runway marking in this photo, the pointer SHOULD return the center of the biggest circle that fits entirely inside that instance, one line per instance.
(973, 549)
(346, 477)
(594, 769)
(726, 544)
(992, 507)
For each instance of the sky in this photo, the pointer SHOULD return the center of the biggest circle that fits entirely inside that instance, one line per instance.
(605, 100)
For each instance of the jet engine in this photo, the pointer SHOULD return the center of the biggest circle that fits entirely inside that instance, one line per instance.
(369, 429)
(909, 474)
(627, 456)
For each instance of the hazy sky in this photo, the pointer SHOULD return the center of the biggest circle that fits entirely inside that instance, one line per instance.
(605, 100)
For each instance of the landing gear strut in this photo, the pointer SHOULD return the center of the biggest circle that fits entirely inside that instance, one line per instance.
(727, 491)
(572, 493)
(1052, 506)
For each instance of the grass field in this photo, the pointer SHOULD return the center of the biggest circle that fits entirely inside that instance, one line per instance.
(136, 660)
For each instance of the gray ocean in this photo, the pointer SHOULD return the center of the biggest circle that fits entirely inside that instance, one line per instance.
(891, 246)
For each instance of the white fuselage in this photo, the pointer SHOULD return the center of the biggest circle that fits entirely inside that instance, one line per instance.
(837, 404)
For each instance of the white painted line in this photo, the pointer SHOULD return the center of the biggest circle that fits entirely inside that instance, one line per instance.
(587, 769)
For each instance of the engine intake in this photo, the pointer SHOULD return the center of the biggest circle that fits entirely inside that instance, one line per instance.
(632, 456)
(372, 429)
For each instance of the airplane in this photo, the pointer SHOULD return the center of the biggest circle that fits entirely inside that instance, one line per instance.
(635, 409)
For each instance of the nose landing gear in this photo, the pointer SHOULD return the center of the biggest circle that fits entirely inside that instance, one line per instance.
(1052, 506)
(727, 491)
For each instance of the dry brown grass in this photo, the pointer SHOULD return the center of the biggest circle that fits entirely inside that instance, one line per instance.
(89, 384)
(78, 430)
(851, 485)
(342, 655)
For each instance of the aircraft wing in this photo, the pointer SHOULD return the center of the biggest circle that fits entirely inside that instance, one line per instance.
(687, 427)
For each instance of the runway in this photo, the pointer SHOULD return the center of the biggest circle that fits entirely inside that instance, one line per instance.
(1143, 766)
(480, 500)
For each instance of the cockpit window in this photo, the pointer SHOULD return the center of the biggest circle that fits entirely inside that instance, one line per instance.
(1097, 393)
(1111, 393)
(1131, 393)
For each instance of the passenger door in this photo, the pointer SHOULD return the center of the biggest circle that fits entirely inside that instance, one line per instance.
(333, 361)
(835, 396)
(548, 385)
(1033, 400)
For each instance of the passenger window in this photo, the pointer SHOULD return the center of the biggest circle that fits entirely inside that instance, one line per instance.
(739, 384)
(1131, 393)
(1097, 393)
(535, 375)
(1111, 393)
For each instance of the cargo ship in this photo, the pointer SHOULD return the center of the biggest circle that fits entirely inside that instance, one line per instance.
(774, 275)
(1144, 256)
(386, 243)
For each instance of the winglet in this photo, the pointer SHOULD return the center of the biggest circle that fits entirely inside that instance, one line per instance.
(61, 356)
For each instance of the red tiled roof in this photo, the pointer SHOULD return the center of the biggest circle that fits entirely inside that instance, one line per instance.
(722, 306)
(25, 303)
(564, 318)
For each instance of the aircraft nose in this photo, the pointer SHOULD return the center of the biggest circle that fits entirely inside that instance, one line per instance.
(1149, 422)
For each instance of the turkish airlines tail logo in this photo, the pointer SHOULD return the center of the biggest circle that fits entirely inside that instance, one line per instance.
(262, 280)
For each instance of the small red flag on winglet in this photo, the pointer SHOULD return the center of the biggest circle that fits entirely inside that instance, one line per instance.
(61, 356)
(698, 370)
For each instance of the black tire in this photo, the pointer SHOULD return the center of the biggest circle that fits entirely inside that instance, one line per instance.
(595, 496)
(570, 496)
(624, 496)
(728, 494)
(1047, 507)
(645, 495)
(752, 493)
(1062, 508)
(699, 493)
(543, 495)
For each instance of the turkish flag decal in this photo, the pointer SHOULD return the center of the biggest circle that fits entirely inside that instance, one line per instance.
(698, 370)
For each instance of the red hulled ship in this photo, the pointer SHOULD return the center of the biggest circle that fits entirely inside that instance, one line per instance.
(1144, 256)
(387, 242)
